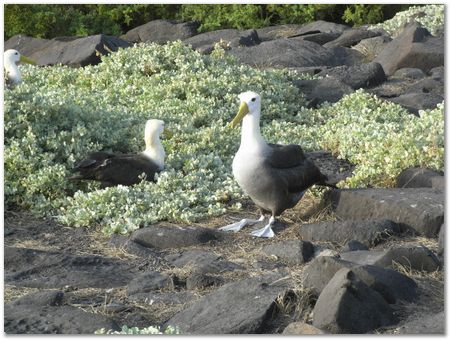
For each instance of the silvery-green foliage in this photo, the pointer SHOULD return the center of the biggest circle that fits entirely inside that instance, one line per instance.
(59, 114)
(136, 330)
(430, 16)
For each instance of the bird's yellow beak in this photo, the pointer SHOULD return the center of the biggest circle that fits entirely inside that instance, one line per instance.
(27, 60)
(167, 133)
(243, 110)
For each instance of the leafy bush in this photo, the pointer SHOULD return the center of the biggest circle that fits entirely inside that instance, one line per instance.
(430, 16)
(59, 114)
(136, 330)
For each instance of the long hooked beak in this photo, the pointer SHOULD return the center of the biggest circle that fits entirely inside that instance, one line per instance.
(27, 60)
(243, 110)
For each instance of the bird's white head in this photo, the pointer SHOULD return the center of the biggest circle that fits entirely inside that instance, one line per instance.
(10, 60)
(14, 56)
(250, 105)
(154, 149)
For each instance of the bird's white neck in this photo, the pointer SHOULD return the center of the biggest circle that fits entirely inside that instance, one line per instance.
(155, 150)
(12, 72)
(251, 138)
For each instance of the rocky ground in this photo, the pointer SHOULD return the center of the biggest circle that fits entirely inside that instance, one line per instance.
(356, 261)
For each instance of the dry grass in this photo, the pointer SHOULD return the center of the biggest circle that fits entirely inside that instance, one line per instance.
(11, 292)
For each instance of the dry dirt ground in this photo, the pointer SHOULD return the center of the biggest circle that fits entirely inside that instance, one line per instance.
(23, 230)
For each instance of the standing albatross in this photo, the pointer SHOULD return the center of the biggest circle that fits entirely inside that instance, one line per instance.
(126, 169)
(12, 73)
(274, 176)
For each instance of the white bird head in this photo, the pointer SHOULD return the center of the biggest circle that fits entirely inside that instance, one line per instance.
(154, 150)
(12, 73)
(13, 56)
(250, 104)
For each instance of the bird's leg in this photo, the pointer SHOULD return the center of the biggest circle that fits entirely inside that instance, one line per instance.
(241, 224)
(266, 231)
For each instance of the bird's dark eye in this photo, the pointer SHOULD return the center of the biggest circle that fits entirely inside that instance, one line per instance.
(16, 53)
(253, 99)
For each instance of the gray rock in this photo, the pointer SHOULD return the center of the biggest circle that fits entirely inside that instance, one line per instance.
(353, 245)
(390, 284)
(293, 53)
(368, 232)
(299, 328)
(44, 269)
(276, 32)
(201, 261)
(205, 41)
(413, 47)
(424, 324)
(319, 37)
(409, 72)
(242, 307)
(438, 73)
(167, 298)
(351, 37)
(124, 243)
(322, 26)
(421, 209)
(416, 178)
(292, 252)
(438, 183)
(418, 258)
(201, 281)
(428, 86)
(42, 298)
(441, 240)
(161, 31)
(348, 305)
(318, 91)
(74, 52)
(30, 319)
(414, 102)
(175, 236)
(149, 281)
(360, 76)
(372, 47)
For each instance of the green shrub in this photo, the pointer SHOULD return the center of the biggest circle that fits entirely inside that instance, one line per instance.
(136, 330)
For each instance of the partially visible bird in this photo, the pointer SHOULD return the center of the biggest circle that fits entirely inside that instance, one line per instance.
(274, 176)
(12, 72)
(126, 169)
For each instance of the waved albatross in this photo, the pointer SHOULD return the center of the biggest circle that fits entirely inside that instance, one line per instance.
(12, 73)
(274, 176)
(113, 169)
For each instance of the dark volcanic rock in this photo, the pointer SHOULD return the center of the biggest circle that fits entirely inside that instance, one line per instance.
(205, 42)
(437, 73)
(416, 178)
(351, 37)
(409, 72)
(419, 258)
(414, 102)
(348, 305)
(42, 298)
(414, 47)
(335, 169)
(360, 76)
(322, 26)
(242, 307)
(276, 32)
(319, 37)
(30, 319)
(148, 282)
(372, 47)
(438, 182)
(175, 236)
(161, 31)
(201, 281)
(292, 252)
(389, 283)
(74, 52)
(124, 243)
(353, 245)
(318, 91)
(369, 232)
(293, 53)
(42, 269)
(201, 261)
(424, 324)
(419, 208)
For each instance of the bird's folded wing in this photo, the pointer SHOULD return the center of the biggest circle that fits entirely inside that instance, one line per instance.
(285, 156)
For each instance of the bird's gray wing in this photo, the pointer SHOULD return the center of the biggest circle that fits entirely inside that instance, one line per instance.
(285, 156)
